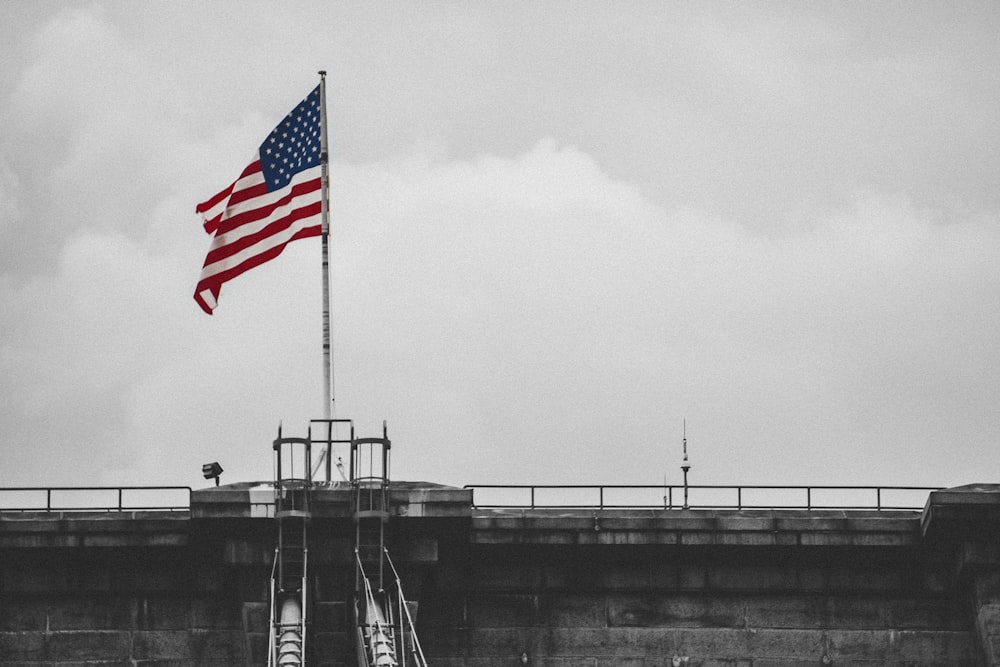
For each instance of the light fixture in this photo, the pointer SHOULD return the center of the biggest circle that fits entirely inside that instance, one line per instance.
(524, 657)
(212, 471)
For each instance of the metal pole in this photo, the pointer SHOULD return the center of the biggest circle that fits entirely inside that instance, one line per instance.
(328, 397)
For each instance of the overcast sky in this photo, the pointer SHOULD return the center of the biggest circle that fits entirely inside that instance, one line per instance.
(558, 231)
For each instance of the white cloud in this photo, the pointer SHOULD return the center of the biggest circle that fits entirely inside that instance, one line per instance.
(10, 206)
(527, 319)
(519, 310)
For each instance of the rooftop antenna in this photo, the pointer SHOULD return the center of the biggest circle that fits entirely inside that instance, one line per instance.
(685, 465)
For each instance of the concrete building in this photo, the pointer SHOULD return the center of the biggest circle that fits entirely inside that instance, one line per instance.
(488, 586)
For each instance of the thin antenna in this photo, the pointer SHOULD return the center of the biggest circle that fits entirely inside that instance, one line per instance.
(684, 437)
(685, 465)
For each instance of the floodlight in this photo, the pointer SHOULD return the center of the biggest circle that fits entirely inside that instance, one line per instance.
(212, 471)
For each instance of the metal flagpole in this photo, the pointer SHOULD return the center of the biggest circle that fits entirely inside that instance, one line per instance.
(328, 397)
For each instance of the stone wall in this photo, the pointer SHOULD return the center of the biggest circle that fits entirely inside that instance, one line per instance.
(635, 606)
(623, 588)
(119, 606)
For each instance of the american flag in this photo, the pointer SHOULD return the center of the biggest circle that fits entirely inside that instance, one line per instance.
(277, 199)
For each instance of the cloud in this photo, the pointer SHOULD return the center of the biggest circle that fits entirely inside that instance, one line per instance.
(10, 205)
(790, 243)
(524, 318)
(568, 314)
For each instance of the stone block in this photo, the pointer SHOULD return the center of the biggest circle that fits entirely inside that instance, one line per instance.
(825, 538)
(716, 643)
(22, 645)
(147, 579)
(738, 523)
(810, 579)
(564, 523)
(491, 642)
(329, 549)
(663, 575)
(86, 645)
(987, 619)
(330, 616)
(334, 583)
(149, 644)
(207, 578)
(22, 613)
(38, 540)
(932, 581)
(39, 578)
(852, 645)
(799, 522)
(801, 644)
(94, 579)
(450, 644)
(215, 612)
(570, 609)
(883, 522)
(330, 644)
(686, 520)
(747, 539)
(249, 551)
(692, 577)
(449, 662)
(416, 550)
(164, 612)
(752, 578)
(816, 611)
(655, 611)
(862, 580)
(103, 612)
(929, 613)
(502, 610)
(217, 646)
(256, 616)
(935, 647)
(506, 576)
(256, 642)
(619, 576)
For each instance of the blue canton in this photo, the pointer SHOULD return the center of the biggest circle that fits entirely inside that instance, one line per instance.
(294, 145)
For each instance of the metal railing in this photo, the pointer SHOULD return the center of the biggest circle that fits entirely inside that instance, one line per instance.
(732, 497)
(95, 498)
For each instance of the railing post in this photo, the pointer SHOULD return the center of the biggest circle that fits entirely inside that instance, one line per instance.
(600, 496)
(809, 498)
(532, 497)
(119, 499)
(739, 497)
(878, 498)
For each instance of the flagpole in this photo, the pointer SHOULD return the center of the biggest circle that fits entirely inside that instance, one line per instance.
(328, 397)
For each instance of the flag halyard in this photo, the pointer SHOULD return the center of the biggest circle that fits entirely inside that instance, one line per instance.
(277, 199)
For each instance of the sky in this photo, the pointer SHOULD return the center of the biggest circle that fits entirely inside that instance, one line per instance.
(563, 235)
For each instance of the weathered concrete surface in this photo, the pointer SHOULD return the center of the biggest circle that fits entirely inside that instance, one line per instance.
(965, 521)
(606, 588)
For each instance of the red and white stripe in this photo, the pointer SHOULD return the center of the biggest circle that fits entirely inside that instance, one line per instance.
(250, 225)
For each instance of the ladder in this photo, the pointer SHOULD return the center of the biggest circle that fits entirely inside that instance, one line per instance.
(385, 632)
(289, 574)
